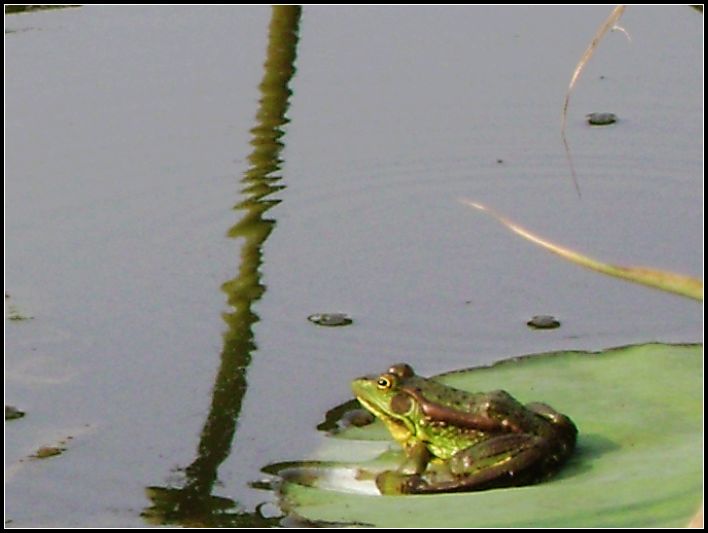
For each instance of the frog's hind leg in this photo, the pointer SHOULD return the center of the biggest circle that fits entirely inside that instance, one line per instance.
(503, 461)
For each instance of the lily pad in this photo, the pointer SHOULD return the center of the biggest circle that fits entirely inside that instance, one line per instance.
(638, 460)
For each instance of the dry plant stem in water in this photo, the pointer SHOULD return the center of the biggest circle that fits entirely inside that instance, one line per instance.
(608, 24)
(659, 279)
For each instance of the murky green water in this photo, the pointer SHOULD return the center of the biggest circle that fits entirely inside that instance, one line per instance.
(169, 348)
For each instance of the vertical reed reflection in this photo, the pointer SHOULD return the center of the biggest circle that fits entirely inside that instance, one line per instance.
(193, 504)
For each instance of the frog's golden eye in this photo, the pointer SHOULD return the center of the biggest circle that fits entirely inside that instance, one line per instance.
(384, 382)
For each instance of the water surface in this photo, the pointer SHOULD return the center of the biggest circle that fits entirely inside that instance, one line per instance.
(128, 136)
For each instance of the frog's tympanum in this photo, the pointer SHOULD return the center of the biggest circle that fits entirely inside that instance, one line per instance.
(463, 441)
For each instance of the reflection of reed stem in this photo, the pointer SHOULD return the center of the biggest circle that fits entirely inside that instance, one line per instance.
(194, 502)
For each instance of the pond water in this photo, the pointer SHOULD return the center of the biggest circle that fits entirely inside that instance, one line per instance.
(168, 348)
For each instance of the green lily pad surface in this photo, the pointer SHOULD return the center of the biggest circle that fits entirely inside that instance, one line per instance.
(638, 460)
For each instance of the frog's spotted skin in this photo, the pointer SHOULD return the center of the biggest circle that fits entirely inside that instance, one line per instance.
(457, 440)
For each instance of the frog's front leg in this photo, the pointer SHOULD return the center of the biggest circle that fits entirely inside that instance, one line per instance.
(417, 458)
(407, 477)
(505, 460)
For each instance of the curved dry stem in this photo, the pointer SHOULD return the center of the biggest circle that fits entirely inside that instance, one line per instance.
(659, 279)
(607, 25)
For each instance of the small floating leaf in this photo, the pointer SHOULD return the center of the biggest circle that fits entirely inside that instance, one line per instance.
(330, 319)
(13, 314)
(543, 322)
(601, 119)
(13, 413)
(48, 451)
(659, 279)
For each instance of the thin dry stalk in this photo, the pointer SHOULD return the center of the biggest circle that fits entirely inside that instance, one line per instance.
(659, 279)
(607, 25)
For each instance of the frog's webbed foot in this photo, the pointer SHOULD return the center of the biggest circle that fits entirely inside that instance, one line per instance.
(564, 425)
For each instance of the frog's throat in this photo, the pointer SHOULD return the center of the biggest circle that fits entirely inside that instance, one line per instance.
(399, 429)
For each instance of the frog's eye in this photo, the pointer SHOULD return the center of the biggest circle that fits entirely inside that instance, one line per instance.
(384, 382)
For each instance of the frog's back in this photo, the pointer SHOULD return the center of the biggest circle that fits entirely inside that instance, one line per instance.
(458, 399)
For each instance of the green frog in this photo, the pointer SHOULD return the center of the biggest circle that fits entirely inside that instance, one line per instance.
(463, 441)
